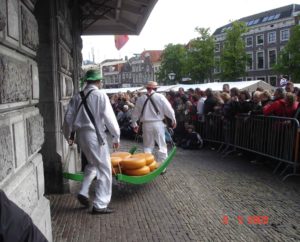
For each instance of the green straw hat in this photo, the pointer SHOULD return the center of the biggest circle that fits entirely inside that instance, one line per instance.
(92, 75)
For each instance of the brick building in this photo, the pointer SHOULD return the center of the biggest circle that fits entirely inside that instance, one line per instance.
(136, 71)
(268, 32)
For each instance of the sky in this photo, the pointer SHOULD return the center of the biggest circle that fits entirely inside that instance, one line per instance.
(174, 21)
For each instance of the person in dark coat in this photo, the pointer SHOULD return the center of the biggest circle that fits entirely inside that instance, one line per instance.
(192, 139)
(210, 101)
(15, 224)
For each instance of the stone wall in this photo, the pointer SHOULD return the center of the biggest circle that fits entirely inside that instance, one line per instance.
(21, 123)
(59, 62)
(40, 63)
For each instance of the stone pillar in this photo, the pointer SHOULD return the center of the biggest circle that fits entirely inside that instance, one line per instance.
(59, 53)
(21, 124)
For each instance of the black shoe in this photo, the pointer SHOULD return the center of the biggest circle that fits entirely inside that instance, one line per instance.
(102, 210)
(83, 200)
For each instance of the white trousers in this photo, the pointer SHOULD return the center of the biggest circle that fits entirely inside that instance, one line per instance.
(99, 166)
(155, 132)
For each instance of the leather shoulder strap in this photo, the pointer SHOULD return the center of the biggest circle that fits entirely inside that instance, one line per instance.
(153, 103)
(84, 98)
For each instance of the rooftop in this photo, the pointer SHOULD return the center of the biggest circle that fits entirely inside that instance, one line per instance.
(264, 17)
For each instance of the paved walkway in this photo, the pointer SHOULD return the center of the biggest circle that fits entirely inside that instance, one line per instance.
(202, 197)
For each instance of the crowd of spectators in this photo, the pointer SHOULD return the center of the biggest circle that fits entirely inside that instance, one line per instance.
(192, 105)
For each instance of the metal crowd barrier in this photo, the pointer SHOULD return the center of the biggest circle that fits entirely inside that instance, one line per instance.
(274, 137)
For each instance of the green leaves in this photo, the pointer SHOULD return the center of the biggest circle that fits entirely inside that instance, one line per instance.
(173, 59)
(233, 56)
(289, 58)
(196, 60)
(200, 56)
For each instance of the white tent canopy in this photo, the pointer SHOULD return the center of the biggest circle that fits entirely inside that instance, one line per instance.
(215, 86)
(218, 86)
(121, 89)
(297, 85)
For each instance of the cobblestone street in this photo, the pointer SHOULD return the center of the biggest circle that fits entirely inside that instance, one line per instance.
(191, 202)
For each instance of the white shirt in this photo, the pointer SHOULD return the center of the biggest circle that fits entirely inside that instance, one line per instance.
(149, 115)
(283, 82)
(99, 105)
(200, 105)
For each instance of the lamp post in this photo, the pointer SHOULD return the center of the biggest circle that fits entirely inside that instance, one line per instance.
(171, 76)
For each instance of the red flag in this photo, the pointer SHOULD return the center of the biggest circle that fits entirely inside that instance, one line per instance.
(120, 41)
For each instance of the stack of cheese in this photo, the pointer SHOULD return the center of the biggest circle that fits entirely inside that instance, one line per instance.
(116, 158)
(133, 165)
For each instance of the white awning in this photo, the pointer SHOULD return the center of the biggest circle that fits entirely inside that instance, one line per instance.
(122, 89)
(215, 86)
(218, 86)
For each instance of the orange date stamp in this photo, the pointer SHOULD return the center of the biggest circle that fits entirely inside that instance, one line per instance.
(255, 219)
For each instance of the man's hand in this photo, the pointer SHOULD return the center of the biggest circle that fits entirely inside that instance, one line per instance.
(174, 125)
(116, 146)
(136, 129)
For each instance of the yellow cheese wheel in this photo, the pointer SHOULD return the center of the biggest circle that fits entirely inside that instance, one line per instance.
(149, 157)
(120, 154)
(138, 172)
(132, 163)
(152, 166)
(115, 160)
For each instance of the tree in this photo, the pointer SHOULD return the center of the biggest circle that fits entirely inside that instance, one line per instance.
(200, 56)
(173, 58)
(289, 58)
(233, 56)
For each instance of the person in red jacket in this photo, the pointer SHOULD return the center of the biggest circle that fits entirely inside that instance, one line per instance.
(286, 107)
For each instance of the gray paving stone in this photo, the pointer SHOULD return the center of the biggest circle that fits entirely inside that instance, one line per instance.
(188, 203)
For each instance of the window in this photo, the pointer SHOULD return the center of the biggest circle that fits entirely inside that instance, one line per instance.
(284, 34)
(265, 19)
(217, 47)
(261, 78)
(272, 37)
(259, 39)
(249, 78)
(217, 68)
(249, 41)
(277, 16)
(271, 17)
(273, 81)
(260, 60)
(250, 23)
(249, 65)
(272, 58)
(256, 21)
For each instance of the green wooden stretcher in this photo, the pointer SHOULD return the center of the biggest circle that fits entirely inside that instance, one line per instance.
(78, 176)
